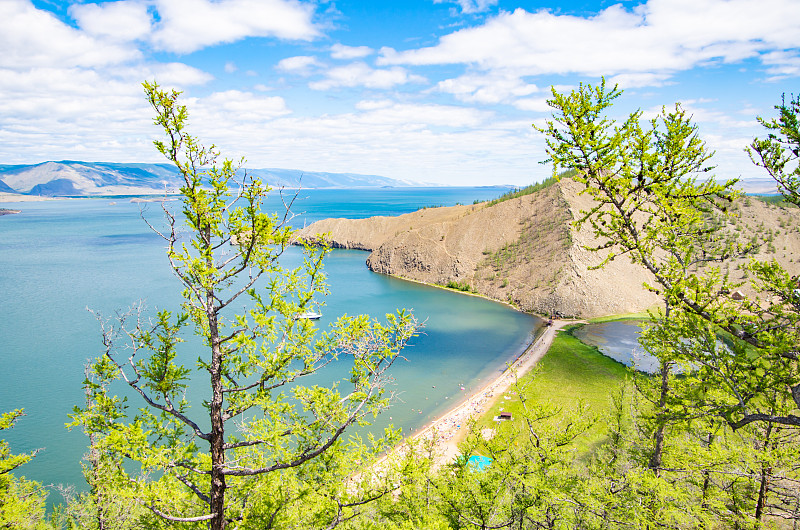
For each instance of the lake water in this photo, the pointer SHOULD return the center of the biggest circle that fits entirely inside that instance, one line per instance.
(59, 257)
(620, 341)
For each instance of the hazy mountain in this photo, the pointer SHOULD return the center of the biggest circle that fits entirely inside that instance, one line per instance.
(758, 186)
(105, 178)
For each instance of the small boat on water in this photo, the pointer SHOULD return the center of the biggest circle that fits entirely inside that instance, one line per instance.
(308, 315)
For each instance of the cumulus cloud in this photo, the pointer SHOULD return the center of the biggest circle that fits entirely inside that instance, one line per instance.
(661, 37)
(32, 38)
(56, 113)
(402, 140)
(360, 74)
(234, 107)
(340, 51)
(175, 74)
(423, 115)
(488, 89)
(372, 104)
(228, 21)
(125, 20)
(533, 104)
(300, 64)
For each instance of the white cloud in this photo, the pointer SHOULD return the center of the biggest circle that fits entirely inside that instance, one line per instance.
(232, 108)
(32, 38)
(533, 104)
(470, 6)
(177, 74)
(340, 51)
(300, 64)
(421, 142)
(782, 64)
(56, 113)
(419, 115)
(360, 74)
(124, 21)
(637, 80)
(230, 67)
(228, 21)
(487, 89)
(373, 104)
(658, 38)
(707, 118)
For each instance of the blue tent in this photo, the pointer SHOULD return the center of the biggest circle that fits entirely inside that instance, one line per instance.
(478, 462)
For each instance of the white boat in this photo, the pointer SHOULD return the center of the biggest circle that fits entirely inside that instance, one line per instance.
(308, 315)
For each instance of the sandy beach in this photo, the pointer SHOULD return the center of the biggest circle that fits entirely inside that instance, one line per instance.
(447, 429)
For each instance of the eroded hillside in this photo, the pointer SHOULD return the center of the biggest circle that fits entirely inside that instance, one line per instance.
(527, 251)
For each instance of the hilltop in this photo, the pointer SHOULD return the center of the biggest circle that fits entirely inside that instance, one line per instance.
(81, 179)
(526, 250)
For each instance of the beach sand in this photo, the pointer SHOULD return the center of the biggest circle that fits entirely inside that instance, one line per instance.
(449, 429)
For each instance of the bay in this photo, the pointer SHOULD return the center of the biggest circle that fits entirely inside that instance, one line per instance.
(59, 257)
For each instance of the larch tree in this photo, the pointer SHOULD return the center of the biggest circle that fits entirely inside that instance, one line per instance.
(649, 204)
(264, 450)
(657, 204)
(22, 501)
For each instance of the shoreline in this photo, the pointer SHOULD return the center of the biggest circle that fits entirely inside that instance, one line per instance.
(445, 430)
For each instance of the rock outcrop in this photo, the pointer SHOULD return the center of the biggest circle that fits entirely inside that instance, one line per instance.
(527, 251)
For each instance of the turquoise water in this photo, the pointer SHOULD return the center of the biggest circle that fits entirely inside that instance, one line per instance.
(59, 257)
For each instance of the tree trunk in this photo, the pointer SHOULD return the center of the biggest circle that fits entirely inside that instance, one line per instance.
(658, 448)
(217, 441)
(217, 431)
(766, 472)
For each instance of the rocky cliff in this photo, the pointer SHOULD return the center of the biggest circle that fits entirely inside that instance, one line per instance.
(526, 251)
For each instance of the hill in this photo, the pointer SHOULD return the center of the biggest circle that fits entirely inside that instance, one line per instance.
(71, 178)
(527, 252)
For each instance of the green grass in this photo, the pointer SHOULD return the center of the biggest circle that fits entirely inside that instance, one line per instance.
(625, 316)
(570, 373)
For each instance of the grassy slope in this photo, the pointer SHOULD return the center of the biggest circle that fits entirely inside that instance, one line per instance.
(571, 372)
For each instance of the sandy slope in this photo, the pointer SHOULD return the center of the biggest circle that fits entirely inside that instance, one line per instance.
(527, 251)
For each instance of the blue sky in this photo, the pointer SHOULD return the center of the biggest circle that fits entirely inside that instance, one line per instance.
(441, 91)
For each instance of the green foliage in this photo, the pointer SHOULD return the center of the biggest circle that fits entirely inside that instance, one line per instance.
(653, 206)
(460, 286)
(22, 502)
(779, 152)
(265, 449)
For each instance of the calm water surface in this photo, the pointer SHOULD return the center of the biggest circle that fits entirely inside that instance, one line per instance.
(620, 341)
(59, 257)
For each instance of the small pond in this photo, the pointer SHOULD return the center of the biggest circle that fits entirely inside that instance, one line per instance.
(620, 341)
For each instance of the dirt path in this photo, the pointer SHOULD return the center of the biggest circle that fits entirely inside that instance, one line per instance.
(446, 428)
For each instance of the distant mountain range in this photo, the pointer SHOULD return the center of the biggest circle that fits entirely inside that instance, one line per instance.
(71, 178)
(86, 179)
